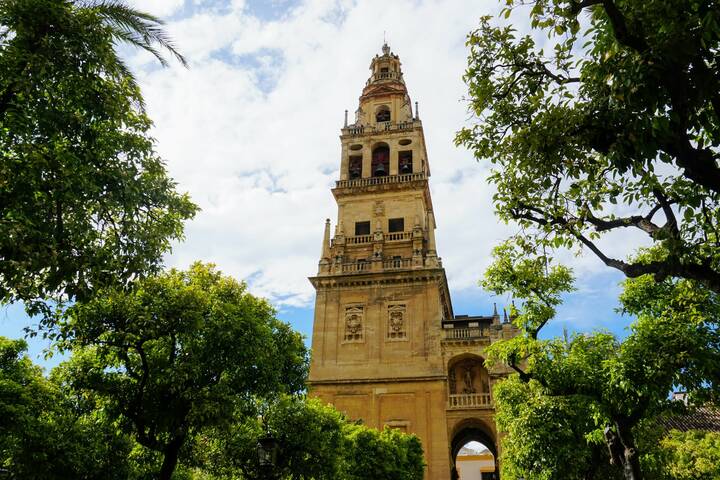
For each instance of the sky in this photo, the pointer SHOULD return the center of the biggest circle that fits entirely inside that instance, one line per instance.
(251, 130)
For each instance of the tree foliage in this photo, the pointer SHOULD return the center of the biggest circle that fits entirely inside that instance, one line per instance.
(84, 199)
(180, 352)
(692, 455)
(316, 442)
(47, 433)
(594, 386)
(612, 123)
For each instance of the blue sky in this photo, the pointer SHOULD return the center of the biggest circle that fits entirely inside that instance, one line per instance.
(251, 129)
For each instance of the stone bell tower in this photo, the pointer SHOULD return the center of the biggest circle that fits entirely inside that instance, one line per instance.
(386, 345)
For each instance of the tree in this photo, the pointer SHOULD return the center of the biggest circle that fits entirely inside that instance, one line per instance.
(84, 199)
(605, 128)
(617, 384)
(692, 455)
(310, 436)
(315, 442)
(179, 353)
(46, 433)
(384, 455)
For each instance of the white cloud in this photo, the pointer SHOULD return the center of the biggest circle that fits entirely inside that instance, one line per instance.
(251, 129)
(161, 8)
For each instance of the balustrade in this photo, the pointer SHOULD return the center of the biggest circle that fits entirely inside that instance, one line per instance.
(398, 236)
(364, 182)
(464, 333)
(355, 267)
(358, 239)
(397, 263)
(381, 127)
(470, 400)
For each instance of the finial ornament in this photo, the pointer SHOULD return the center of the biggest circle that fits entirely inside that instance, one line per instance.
(385, 48)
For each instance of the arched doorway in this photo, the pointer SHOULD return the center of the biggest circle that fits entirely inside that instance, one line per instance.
(473, 452)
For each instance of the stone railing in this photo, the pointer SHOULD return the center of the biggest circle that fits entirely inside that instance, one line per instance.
(367, 266)
(470, 400)
(381, 127)
(398, 236)
(397, 264)
(386, 76)
(364, 182)
(358, 239)
(463, 333)
(355, 267)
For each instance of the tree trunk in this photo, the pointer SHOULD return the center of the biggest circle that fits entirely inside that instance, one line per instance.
(170, 457)
(630, 459)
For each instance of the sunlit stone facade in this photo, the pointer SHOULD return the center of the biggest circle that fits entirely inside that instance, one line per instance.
(387, 347)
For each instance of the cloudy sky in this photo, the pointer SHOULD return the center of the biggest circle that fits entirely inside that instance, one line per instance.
(251, 129)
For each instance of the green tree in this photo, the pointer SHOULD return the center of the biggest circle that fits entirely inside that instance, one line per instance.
(47, 433)
(610, 124)
(310, 436)
(616, 384)
(315, 442)
(384, 455)
(692, 455)
(178, 353)
(84, 199)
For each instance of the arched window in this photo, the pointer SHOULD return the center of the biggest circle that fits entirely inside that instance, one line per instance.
(380, 165)
(383, 114)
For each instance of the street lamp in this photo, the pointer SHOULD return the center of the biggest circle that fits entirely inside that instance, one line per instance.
(267, 448)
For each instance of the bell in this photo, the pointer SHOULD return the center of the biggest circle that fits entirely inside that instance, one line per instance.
(405, 167)
(380, 170)
(355, 172)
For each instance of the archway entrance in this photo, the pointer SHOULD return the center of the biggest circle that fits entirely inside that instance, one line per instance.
(473, 453)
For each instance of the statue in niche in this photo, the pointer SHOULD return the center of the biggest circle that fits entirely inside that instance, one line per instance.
(468, 377)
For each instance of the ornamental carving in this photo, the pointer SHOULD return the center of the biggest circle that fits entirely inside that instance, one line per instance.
(397, 328)
(379, 208)
(354, 324)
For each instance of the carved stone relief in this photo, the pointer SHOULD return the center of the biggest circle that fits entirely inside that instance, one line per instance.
(397, 322)
(354, 324)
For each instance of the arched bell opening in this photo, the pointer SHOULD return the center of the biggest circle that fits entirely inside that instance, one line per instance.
(405, 163)
(382, 114)
(355, 167)
(380, 165)
(474, 452)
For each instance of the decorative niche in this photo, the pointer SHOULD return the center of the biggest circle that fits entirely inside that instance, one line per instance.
(397, 322)
(354, 321)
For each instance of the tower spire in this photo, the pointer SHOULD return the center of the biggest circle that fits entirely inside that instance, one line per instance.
(326, 241)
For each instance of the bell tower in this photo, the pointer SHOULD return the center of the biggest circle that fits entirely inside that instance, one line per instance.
(386, 345)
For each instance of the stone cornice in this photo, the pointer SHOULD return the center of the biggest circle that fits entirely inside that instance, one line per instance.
(350, 381)
(419, 275)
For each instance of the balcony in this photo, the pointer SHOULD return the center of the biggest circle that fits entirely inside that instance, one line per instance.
(469, 400)
(365, 239)
(382, 127)
(367, 266)
(464, 334)
(398, 264)
(385, 76)
(365, 182)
